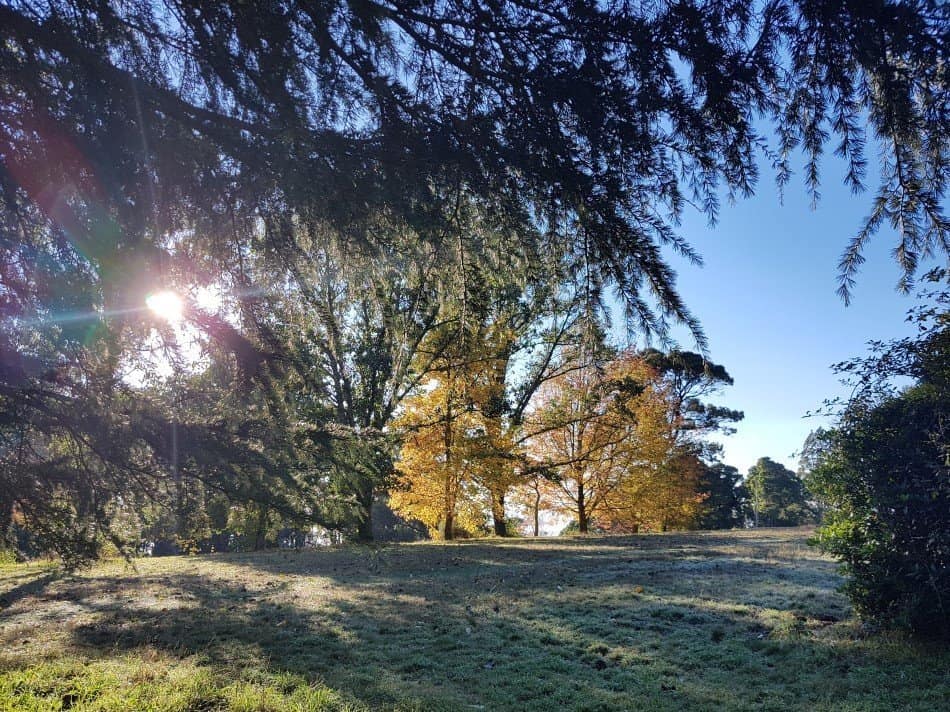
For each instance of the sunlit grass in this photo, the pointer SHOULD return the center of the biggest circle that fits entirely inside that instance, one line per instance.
(747, 620)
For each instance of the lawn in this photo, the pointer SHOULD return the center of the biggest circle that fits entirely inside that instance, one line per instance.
(704, 621)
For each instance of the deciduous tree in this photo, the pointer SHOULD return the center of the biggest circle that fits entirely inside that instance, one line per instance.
(150, 144)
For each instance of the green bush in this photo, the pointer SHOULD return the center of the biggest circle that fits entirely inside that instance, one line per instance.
(884, 475)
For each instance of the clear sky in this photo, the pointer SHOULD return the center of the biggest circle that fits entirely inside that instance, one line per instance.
(766, 300)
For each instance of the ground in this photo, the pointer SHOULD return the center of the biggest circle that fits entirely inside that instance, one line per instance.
(699, 621)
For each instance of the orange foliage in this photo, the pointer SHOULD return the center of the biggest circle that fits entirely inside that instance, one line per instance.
(607, 438)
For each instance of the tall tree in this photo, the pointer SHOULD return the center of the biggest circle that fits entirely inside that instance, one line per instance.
(725, 502)
(140, 141)
(778, 495)
(351, 323)
(690, 378)
(448, 444)
(659, 487)
(604, 434)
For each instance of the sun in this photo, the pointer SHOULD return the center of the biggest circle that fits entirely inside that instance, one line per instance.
(166, 305)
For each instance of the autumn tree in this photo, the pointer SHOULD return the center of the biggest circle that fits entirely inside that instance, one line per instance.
(686, 381)
(533, 496)
(522, 342)
(659, 486)
(584, 433)
(449, 444)
(505, 316)
(622, 438)
(568, 437)
(156, 144)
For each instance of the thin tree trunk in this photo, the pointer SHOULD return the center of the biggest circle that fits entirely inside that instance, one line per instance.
(537, 512)
(448, 532)
(498, 513)
(448, 526)
(259, 537)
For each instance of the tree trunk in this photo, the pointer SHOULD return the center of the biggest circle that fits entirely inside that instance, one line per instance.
(581, 511)
(448, 526)
(364, 530)
(537, 513)
(498, 513)
(260, 536)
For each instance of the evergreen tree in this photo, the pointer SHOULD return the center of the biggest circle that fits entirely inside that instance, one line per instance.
(883, 475)
(725, 498)
(778, 496)
(156, 144)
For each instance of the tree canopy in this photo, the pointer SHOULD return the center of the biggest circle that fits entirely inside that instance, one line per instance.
(124, 124)
(267, 150)
(777, 494)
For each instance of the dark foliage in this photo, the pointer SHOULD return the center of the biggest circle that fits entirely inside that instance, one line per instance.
(156, 143)
(883, 475)
(726, 505)
(777, 495)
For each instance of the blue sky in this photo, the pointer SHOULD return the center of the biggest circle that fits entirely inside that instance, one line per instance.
(766, 299)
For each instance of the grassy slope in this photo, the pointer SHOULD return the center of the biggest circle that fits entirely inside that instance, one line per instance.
(747, 620)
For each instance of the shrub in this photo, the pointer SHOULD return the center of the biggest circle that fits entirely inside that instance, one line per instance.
(884, 475)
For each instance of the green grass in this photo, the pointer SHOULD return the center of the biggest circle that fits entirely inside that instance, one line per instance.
(704, 621)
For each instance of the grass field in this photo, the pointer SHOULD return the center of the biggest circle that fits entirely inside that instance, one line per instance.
(704, 621)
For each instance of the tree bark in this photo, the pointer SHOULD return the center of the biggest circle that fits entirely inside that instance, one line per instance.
(448, 526)
(448, 531)
(260, 535)
(498, 513)
(537, 512)
(581, 511)
(364, 530)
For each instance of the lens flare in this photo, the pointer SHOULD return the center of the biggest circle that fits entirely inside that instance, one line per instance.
(166, 305)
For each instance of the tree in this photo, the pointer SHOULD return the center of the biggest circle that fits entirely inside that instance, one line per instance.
(701, 491)
(533, 495)
(778, 496)
(689, 378)
(608, 115)
(725, 502)
(660, 474)
(523, 341)
(158, 144)
(570, 438)
(605, 433)
(883, 475)
(809, 459)
(450, 446)
(350, 325)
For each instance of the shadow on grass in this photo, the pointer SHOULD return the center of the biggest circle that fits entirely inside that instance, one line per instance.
(32, 586)
(495, 651)
(573, 626)
(699, 621)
